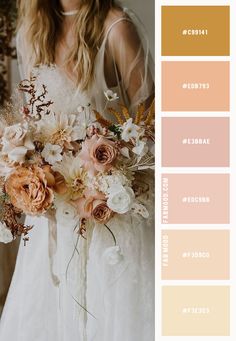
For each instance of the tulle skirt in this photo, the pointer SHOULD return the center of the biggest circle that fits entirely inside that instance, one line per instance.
(104, 292)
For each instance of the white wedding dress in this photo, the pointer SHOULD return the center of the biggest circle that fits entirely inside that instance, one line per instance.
(56, 275)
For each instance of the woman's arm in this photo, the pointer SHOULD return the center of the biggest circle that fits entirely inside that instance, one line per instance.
(132, 62)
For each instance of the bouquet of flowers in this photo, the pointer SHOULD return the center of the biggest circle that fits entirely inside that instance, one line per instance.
(78, 166)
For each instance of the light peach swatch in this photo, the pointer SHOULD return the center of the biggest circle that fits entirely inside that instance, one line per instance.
(196, 310)
(195, 142)
(195, 198)
(195, 86)
(195, 254)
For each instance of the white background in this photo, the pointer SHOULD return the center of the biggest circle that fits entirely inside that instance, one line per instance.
(231, 170)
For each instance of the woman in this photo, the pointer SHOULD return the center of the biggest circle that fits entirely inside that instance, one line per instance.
(62, 289)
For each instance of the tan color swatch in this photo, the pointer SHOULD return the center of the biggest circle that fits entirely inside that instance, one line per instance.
(195, 30)
(195, 254)
(196, 310)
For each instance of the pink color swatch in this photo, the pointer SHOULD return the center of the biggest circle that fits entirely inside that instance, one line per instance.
(195, 198)
(195, 142)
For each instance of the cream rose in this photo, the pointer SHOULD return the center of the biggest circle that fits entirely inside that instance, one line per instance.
(16, 142)
(29, 191)
(120, 199)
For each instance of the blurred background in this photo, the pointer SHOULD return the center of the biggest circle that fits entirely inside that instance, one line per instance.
(9, 77)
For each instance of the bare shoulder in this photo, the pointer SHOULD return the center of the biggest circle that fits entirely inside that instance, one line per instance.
(123, 29)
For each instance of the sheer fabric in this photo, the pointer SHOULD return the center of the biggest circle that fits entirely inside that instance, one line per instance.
(115, 287)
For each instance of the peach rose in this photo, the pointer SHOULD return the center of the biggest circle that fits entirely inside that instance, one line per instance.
(101, 212)
(93, 205)
(28, 190)
(98, 154)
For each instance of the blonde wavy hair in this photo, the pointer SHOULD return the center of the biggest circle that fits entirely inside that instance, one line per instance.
(41, 23)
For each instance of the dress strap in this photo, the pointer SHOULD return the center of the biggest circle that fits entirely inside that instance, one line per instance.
(113, 24)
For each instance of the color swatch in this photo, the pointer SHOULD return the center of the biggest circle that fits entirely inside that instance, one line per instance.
(195, 142)
(195, 31)
(196, 310)
(195, 86)
(195, 199)
(195, 254)
(195, 132)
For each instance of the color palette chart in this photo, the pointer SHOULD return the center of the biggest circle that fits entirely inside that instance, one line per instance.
(196, 124)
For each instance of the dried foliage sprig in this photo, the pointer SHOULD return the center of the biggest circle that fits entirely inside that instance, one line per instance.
(141, 116)
(11, 216)
(37, 101)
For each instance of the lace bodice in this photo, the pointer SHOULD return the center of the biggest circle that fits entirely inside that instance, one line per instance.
(60, 89)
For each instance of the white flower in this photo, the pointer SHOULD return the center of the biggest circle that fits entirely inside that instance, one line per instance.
(102, 182)
(5, 234)
(120, 199)
(16, 142)
(140, 209)
(66, 214)
(141, 148)
(59, 128)
(110, 95)
(52, 153)
(129, 130)
(112, 255)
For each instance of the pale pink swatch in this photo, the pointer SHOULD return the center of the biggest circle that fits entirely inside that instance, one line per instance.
(195, 198)
(195, 142)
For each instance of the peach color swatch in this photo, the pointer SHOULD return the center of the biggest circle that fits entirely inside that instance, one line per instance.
(195, 142)
(195, 198)
(196, 310)
(195, 254)
(195, 86)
